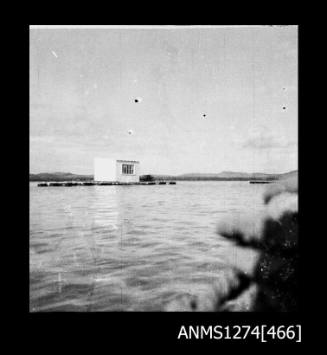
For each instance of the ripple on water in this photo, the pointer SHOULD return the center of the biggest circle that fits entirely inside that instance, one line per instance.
(129, 249)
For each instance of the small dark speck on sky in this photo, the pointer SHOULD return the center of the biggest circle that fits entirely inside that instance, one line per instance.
(204, 115)
(136, 100)
(284, 108)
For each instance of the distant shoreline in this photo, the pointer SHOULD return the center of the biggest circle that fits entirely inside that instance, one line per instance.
(224, 176)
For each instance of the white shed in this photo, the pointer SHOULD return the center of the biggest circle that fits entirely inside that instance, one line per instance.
(116, 170)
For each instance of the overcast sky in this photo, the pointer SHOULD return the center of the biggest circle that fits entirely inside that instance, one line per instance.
(84, 82)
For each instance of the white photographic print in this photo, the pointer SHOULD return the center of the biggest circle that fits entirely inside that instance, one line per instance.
(163, 168)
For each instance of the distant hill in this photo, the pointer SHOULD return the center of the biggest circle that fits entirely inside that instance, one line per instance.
(223, 176)
(229, 175)
(57, 176)
(293, 173)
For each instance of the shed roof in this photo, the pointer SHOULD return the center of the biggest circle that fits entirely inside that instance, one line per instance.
(128, 161)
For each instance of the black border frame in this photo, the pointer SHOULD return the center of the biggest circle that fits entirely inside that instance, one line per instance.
(124, 328)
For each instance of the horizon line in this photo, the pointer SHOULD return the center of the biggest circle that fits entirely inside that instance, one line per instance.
(224, 171)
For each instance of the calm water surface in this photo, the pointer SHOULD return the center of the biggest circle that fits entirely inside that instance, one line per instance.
(130, 248)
